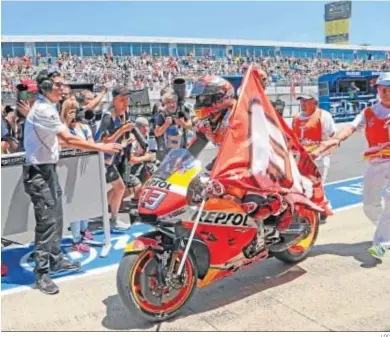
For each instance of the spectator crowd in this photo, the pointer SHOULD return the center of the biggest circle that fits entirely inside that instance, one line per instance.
(156, 72)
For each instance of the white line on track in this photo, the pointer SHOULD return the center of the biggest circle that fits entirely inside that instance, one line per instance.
(342, 181)
(106, 269)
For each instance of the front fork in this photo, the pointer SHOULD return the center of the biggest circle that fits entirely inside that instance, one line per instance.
(170, 254)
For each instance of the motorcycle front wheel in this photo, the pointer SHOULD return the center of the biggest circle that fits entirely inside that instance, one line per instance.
(142, 292)
(299, 251)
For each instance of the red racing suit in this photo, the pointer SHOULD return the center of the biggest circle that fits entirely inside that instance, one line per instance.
(257, 205)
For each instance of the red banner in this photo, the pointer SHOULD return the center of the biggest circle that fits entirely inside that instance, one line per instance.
(261, 154)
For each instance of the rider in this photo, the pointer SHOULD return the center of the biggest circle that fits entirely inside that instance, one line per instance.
(214, 103)
(213, 107)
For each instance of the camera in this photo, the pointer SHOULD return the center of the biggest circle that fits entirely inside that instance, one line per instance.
(83, 114)
(21, 95)
(79, 115)
(179, 87)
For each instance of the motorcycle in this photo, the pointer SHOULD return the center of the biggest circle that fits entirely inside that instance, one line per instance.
(191, 245)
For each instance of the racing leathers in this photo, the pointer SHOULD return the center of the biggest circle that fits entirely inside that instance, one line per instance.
(256, 205)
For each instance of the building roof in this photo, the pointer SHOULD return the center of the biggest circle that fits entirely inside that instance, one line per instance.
(140, 39)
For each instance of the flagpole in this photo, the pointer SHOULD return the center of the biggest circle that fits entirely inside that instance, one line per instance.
(196, 223)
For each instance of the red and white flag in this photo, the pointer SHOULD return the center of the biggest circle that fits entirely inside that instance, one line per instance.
(261, 154)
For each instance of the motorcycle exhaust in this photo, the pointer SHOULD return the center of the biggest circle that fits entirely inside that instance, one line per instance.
(291, 236)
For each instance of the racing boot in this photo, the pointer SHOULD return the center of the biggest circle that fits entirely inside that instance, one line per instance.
(261, 208)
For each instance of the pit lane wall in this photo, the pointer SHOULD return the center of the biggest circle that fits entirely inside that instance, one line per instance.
(84, 192)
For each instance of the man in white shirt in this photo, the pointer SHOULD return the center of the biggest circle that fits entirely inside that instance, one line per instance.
(43, 127)
(376, 122)
(312, 126)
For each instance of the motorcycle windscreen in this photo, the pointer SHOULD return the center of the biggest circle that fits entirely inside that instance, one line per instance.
(166, 191)
(178, 168)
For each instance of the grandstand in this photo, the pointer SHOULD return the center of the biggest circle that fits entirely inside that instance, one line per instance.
(87, 46)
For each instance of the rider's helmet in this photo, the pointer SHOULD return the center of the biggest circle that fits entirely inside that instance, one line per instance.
(214, 97)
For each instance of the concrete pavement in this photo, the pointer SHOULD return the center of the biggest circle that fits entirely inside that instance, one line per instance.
(338, 288)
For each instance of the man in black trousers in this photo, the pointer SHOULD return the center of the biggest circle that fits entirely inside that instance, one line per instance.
(43, 127)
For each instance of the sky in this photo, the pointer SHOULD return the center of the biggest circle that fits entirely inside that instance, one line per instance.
(292, 21)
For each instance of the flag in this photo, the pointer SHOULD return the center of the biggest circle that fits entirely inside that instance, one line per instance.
(261, 154)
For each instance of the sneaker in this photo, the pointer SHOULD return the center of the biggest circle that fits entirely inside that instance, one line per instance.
(65, 265)
(80, 247)
(31, 258)
(115, 226)
(46, 285)
(87, 235)
(4, 270)
(377, 251)
(125, 206)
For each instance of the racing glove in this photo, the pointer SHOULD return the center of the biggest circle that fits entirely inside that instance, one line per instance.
(214, 188)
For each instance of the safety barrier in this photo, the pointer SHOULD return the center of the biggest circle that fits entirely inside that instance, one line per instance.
(82, 179)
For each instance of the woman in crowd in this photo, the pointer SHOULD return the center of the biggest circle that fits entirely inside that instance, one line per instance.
(72, 116)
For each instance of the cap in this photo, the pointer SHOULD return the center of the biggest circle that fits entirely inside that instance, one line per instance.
(31, 85)
(120, 91)
(141, 121)
(383, 79)
(307, 95)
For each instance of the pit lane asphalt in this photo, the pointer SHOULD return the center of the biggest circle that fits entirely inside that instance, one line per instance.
(339, 287)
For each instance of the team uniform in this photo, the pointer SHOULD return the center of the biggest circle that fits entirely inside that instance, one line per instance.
(377, 174)
(311, 131)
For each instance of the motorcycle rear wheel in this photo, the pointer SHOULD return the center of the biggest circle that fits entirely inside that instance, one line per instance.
(299, 251)
(136, 277)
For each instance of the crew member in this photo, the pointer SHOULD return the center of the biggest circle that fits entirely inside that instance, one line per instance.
(312, 126)
(43, 127)
(375, 121)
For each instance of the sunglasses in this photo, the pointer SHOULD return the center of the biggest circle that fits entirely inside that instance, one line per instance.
(59, 84)
(30, 95)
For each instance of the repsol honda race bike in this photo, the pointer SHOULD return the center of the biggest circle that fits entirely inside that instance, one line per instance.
(189, 247)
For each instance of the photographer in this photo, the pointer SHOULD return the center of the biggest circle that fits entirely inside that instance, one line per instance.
(90, 103)
(158, 107)
(4, 133)
(73, 117)
(112, 129)
(8, 142)
(172, 124)
(279, 105)
(43, 128)
(26, 95)
(141, 158)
